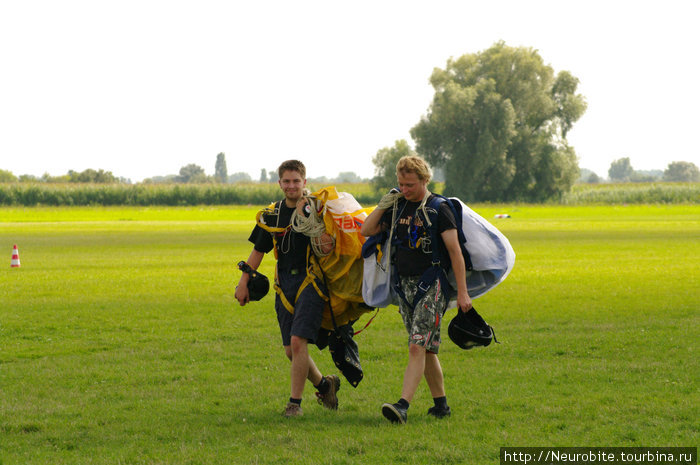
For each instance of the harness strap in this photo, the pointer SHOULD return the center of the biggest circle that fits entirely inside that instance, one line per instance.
(274, 210)
(309, 279)
(460, 235)
(436, 271)
(283, 298)
(427, 279)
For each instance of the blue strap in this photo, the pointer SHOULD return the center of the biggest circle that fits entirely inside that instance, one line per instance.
(461, 238)
(429, 277)
(436, 271)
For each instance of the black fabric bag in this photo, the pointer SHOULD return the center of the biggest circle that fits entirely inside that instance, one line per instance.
(343, 348)
(345, 353)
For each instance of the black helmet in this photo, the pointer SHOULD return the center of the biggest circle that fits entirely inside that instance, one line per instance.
(469, 330)
(258, 284)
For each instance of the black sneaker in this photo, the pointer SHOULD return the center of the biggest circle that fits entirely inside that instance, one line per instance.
(395, 413)
(439, 412)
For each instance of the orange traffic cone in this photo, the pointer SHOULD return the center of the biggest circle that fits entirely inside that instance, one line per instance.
(15, 258)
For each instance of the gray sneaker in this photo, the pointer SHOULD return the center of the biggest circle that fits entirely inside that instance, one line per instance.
(330, 398)
(292, 410)
(394, 413)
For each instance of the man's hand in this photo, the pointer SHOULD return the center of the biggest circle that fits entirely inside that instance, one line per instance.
(242, 295)
(371, 225)
(388, 200)
(464, 302)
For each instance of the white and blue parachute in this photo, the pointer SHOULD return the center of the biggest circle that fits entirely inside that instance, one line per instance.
(492, 258)
(490, 251)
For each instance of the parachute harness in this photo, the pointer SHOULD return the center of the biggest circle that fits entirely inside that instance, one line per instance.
(391, 200)
(299, 223)
(319, 217)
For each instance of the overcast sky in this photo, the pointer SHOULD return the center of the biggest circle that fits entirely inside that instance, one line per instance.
(142, 88)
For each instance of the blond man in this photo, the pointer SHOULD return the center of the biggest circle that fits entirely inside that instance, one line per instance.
(406, 214)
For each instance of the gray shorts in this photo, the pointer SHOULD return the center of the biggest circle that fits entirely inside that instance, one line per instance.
(423, 322)
(308, 309)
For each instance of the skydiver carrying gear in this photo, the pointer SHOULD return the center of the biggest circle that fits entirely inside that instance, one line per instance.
(422, 281)
(300, 325)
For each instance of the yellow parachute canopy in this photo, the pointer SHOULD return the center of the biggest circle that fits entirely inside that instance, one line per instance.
(343, 268)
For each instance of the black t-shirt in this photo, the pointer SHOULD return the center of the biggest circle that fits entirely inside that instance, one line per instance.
(414, 251)
(291, 246)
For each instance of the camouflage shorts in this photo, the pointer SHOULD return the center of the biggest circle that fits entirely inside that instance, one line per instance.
(423, 321)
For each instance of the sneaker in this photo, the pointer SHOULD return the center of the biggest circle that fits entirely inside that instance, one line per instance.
(439, 412)
(292, 410)
(394, 413)
(330, 398)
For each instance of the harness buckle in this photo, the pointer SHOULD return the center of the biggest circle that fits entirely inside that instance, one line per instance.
(423, 287)
(426, 245)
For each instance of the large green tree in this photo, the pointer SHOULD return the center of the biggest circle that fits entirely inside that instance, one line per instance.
(498, 124)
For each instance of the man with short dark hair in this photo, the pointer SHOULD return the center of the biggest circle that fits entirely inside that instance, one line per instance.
(299, 305)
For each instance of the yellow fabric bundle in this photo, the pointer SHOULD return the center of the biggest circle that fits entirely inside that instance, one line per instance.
(343, 267)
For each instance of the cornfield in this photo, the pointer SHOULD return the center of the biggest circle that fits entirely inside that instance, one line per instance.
(633, 193)
(40, 194)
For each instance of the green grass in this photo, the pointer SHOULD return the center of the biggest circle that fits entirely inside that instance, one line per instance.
(120, 343)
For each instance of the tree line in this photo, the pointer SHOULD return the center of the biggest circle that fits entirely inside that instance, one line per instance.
(621, 170)
(496, 130)
(193, 173)
(86, 176)
(188, 174)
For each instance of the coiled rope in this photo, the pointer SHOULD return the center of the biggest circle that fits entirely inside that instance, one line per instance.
(312, 226)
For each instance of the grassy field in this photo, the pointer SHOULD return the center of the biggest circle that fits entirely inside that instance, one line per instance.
(120, 343)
